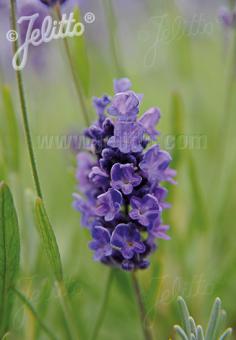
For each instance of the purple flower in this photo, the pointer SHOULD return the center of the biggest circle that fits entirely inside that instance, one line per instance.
(98, 177)
(146, 210)
(100, 105)
(123, 177)
(128, 240)
(159, 231)
(160, 193)
(51, 3)
(154, 163)
(122, 85)
(85, 163)
(85, 209)
(227, 17)
(108, 204)
(101, 243)
(124, 105)
(127, 137)
(149, 120)
(123, 199)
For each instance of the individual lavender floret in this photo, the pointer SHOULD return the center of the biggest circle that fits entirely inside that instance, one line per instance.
(108, 204)
(146, 210)
(123, 177)
(121, 181)
(101, 243)
(128, 240)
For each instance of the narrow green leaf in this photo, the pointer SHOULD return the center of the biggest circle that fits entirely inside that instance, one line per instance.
(215, 313)
(200, 334)
(226, 334)
(9, 255)
(80, 56)
(48, 239)
(181, 332)
(220, 326)
(193, 326)
(12, 132)
(184, 315)
(34, 313)
(177, 122)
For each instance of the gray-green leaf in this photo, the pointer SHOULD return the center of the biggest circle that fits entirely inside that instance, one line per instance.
(185, 315)
(9, 255)
(48, 239)
(215, 313)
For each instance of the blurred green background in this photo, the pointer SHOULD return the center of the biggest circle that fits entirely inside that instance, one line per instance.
(183, 62)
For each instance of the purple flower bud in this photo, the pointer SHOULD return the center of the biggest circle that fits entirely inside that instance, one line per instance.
(100, 105)
(124, 105)
(122, 85)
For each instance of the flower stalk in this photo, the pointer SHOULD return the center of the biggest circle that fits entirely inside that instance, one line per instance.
(24, 108)
(60, 285)
(143, 315)
(103, 308)
(77, 83)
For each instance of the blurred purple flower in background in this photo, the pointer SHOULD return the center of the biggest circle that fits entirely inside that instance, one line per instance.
(52, 2)
(227, 17)
(123, 196)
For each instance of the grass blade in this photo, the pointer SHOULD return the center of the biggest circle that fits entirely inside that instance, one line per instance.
(215, 313)
(34, 313)
(9, 255)
(48, 239)
(185, 315)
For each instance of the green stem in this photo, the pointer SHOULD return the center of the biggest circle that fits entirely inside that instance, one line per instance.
(142, 312)
(75, 77)
(63, 298)
(24, 107)
(112, 29)
(61, 288)
(103, 308)
(35, 314)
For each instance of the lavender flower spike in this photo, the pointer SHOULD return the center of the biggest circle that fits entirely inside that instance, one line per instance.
(121, 179)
